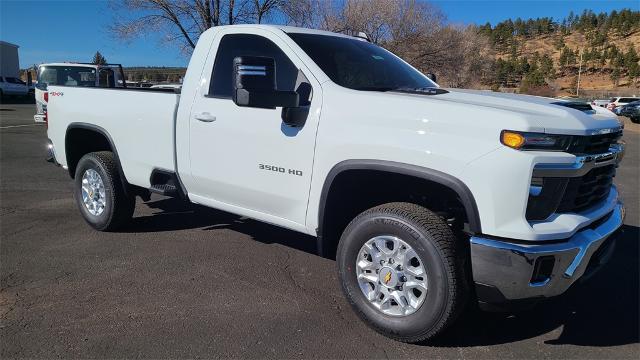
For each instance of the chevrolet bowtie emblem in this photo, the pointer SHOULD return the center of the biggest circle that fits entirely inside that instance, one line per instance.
(387, 278)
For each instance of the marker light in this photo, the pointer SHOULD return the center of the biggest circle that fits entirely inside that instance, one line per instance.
(512, 139)
(535, 141)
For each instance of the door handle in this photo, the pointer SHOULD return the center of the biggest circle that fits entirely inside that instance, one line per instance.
(205, 117)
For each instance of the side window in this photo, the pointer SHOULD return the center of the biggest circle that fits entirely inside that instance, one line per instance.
(106, 78)
(234, 45)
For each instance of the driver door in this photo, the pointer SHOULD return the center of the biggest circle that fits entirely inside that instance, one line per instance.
(247, 160)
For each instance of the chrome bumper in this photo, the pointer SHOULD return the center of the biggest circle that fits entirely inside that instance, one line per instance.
(511, 271)
(39, 118)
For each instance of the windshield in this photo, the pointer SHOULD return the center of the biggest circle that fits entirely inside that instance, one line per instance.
(67, 76)
(13, 80)
(627, 100)
(360, 65)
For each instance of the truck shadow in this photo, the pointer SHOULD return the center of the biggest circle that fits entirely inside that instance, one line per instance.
(603, 311)
(10, 100)
(173, 214)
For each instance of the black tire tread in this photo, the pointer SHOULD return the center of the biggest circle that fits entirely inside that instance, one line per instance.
(448, 246)
(123, 205)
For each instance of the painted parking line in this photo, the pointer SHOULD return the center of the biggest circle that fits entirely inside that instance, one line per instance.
(15, 126)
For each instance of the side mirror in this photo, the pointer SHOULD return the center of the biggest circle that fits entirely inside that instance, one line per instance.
(432, 77)
(254, 84)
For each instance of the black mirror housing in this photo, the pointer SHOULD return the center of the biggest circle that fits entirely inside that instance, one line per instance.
(432, 77)
(254, 84)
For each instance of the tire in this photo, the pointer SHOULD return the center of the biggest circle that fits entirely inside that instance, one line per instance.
(437, 249)
(117, 208)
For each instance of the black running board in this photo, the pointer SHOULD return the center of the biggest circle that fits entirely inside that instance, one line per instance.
(165, 183)
(164, 189)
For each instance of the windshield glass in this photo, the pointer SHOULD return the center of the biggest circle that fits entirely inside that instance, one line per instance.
(67, 76)
(360, 65)
(13, 80)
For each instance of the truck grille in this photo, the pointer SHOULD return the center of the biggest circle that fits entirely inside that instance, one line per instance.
(586, 191)
(595, 144)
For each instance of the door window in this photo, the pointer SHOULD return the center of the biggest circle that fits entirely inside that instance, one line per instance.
(234, 45)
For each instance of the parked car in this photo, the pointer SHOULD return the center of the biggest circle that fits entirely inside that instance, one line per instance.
(631, 110)
(619, 101)
(601, 102)
(12, 86)
(429, 198)
(73, 74)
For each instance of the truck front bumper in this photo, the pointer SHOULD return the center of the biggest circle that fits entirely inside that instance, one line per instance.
(506, 270)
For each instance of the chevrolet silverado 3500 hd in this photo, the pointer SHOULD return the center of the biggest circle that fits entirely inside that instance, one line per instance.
(428, 198)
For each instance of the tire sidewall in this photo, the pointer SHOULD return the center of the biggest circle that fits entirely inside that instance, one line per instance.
(430, 313)
(101, 221)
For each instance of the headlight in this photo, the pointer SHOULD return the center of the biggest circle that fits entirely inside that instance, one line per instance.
(535, 141)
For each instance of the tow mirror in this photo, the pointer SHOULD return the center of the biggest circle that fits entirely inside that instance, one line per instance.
(254, 84)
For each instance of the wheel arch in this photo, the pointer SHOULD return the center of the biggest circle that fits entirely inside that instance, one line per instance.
(102, 142)
(394, 168)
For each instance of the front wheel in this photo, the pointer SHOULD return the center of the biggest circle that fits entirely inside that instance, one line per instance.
(401, 270)
(99, 193)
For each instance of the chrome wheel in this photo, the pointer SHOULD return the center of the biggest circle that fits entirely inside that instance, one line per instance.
(391, 276)
(93, 193)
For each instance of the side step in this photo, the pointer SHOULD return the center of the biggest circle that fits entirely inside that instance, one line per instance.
(164, 189)
(165, 183)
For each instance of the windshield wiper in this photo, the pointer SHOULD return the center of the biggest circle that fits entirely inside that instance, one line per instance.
(423, 91)
(405, 89)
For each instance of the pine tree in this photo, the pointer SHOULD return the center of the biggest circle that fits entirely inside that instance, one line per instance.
(546, 66)
(631, 64)
(615, 76)
(98, 59)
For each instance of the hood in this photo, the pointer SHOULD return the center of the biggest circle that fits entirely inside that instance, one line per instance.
(548, 115)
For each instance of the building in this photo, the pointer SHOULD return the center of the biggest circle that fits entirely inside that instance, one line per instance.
(9, 63)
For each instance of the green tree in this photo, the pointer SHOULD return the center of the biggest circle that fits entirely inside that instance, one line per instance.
(98, 59)
(546, 66)
(631, 64)
(615, 76)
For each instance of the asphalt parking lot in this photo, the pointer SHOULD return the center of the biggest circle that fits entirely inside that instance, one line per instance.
(189, 282)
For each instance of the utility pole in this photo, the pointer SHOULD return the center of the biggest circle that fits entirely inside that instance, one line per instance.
(579, 71)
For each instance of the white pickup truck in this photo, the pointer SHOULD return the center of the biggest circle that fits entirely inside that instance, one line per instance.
(428, 198)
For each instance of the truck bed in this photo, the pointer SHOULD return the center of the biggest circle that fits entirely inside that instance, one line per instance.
(140, 122)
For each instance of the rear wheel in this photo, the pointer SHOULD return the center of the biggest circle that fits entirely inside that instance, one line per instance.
(400, 269)
(99, 192)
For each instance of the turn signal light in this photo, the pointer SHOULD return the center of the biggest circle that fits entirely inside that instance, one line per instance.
(512, 139)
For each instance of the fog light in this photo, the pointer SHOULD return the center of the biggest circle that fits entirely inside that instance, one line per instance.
(542, 270)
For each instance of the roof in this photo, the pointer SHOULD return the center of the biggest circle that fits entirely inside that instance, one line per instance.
(70, 64)
(9, 44)
(288, 29)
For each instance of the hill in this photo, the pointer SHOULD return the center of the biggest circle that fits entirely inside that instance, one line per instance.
(543, 56)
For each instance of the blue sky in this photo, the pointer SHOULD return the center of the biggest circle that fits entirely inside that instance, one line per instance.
(53, 30)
